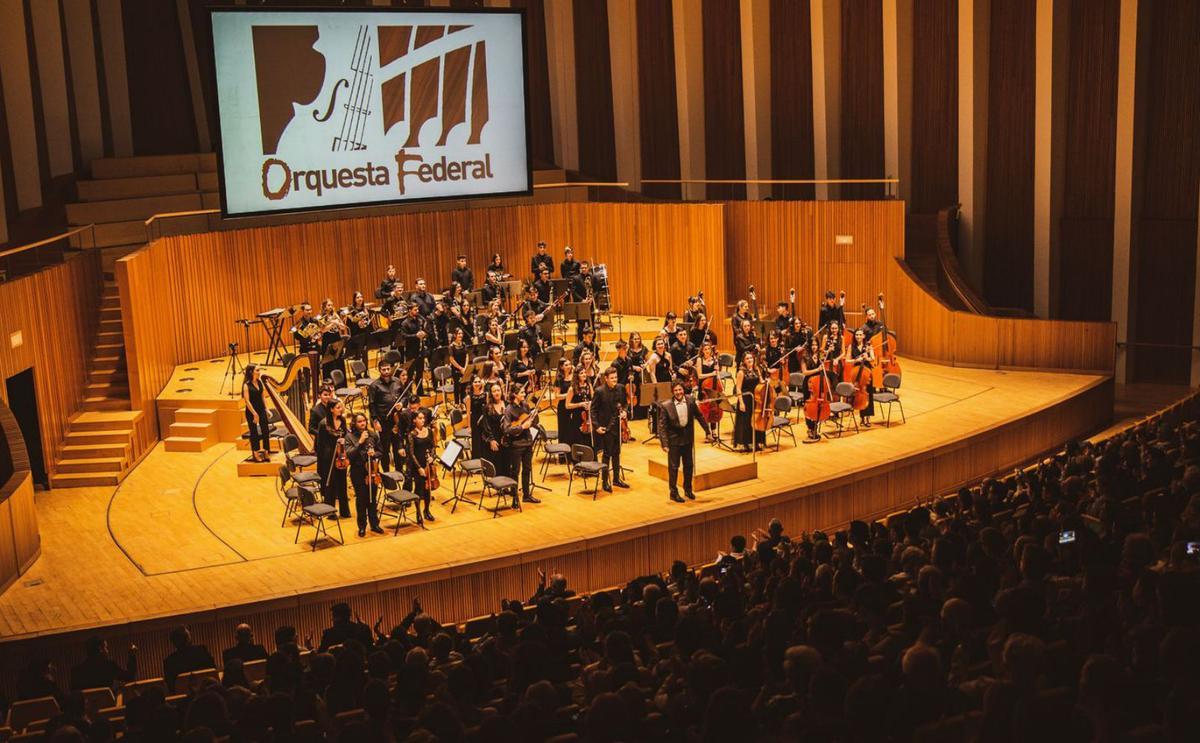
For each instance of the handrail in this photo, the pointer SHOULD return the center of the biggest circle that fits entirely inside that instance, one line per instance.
(46, 241)
(950, 272)
(567, 184)
(773, 181)
(165, 215)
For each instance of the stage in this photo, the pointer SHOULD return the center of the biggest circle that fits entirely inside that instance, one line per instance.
(184, 535)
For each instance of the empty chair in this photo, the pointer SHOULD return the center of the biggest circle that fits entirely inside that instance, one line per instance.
(352, 396)
(395, 496)
(724, 364)
(255, 670)
(295, 460)
(442, 383)
(315, 513)
(289, 495)
(796, 392)
(584, 465)
(362, 378)
(497, 486)
(888, 396)
(839, 410)
(97, 699)
(555, 452)
(781, 423)
(187, 683)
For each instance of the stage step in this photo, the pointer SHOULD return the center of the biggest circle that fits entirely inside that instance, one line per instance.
(195, 415)
(110, 313)
(104, 421)
(249, 468)
(148, 165)
(206, 431)
(138, 186)
(107, 389)
(186, 443)
(109, 376)
(89, 438)
(102, 402)
(110, 325)
(113, 465)
(95, 451)
(112, 302)
(84, 480)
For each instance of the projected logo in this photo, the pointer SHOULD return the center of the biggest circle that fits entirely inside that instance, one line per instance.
(413, 94)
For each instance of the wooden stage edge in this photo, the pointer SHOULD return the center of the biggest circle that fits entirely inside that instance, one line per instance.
(457, 590)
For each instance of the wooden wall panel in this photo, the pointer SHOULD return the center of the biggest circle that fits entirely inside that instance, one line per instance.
(227, 275)
(593, 79)
(929, 330)
(55, 313)
(541, 133)
(934, 106)
(861, 128)
(791, 96)
(1008, 257)
(778, 245)
(724, 119)
(1165, 242)
(160, 104)
(657, 114)
(1086, 229)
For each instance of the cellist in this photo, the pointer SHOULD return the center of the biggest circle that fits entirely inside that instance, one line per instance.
(863, 353)
(811, 365)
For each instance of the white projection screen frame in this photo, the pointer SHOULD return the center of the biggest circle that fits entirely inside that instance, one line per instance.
(344, 107)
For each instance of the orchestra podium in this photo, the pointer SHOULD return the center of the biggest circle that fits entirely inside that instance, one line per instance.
(714, 467)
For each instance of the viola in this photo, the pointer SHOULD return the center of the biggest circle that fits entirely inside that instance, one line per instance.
(340, 459)
(431, 476)
(374, 470)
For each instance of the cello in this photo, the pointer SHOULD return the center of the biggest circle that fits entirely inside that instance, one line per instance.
(764, 401)
(858, 373)
(884, 345)
(816, 407)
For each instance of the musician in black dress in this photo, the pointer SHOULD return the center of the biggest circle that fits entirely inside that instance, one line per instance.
(330, 435)
(774, 350)
(531, 334)
(256, 413)
(637, 364)
(320, 409)
(748, 377)
(608, 405)
(414, 333)
(540, 261)
(476, 405)
(420, 458)
(812, 363)
(518, 423)
(382, 396)
(695, 309)
(702, 331)
(796, 338)
(562, 385)
(462, 275)
(457, 359)
(362, 447)
(670, 327)
(679, 416)
(521, 370)
(492, 430)
(460, 319)
(569, 267)
(835, 350)
(497, 267)
(576, 405)
(863, 353)
(740, 315)
(833, 310)
(746, 341)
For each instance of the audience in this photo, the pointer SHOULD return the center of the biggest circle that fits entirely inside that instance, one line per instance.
(1059, 603)
(245, 648)
(186, 658)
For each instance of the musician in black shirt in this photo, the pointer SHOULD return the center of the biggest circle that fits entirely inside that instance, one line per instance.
(746, 341)
(382, 397)
(608, 405)
(682, 349)
(320, 409)
(541, 287)
(872, 326)
(422, 298)
(416, 345)
(569, 267)
(518, 442)
(783, 316)
(834, 310)
(540, 261)
(306, 331)
(586, 343)
(532, 334)
(389, 282)
(695, 309)
(462, 275)
(362, 447)
(491, 288)
(533, 300)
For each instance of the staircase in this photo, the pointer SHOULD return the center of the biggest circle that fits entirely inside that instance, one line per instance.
(194, 429)
(98, 445)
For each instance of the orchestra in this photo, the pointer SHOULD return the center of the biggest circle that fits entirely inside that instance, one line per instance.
(497, 360)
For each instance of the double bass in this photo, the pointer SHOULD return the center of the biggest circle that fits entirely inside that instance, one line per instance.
(816, 407)
(764, 401)
(884, 345)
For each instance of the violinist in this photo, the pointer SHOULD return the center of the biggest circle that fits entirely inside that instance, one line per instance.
(421, 445)
(606, 411)
(491, 427)
(701, 331)
(863, 353)
(586, 343)
(531, 334)
(362, 448)
(774, 350)
(746, 340)
(493, 372)
(682, 349)
(521, 370)
(382, 396)
(457, 359)
(331, 462)
(749, 376)
(578, 400)
(518, 422)
(679, 416)
(812, 363)
(833, 310)
(587, 367)
(540, 261)
(462, 275)
(388, 284)
(660, 365)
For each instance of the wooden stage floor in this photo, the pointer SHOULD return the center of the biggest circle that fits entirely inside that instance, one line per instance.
(183, 534)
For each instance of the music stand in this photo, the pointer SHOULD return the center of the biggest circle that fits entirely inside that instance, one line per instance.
(332, 354)
(650, 395)
(578, 312)
(475, 298)
(439, 356)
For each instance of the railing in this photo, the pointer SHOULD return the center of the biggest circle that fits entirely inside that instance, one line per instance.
(31, 258)
(888, 183)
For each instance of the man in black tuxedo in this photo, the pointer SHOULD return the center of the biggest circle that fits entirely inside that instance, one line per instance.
(677, 420)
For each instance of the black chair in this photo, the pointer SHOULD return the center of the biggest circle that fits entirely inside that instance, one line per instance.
(840, 410)
(498, 486)
(315, 513)
(400, 499)
(781, 423)
(362, 378)
(296, 461)
(584, 465)
(461, 435)
(796, 392)
(725, 362)
(443, 383)
(351, 396)
(887, 396)
(289, 495)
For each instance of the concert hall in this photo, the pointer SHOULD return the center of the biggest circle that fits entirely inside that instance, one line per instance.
(599, 371)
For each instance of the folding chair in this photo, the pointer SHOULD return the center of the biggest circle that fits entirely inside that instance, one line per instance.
(796, 392)
(395, 496)
(839, 409)
(296, 461)
(289, 496)
(497, 486)
(887, 396)
(315, 513)
(724, 364)
(584, 464)
(443, 382)
(362, 378)
(351, 396)
(780, 422)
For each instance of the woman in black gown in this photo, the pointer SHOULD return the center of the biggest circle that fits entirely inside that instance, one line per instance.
(421, 445)
(476, 402)
(333, 480)
(492, 429)
(579, 399)
(562, 383)
(748, 377)
(458, 360)
(637, 363)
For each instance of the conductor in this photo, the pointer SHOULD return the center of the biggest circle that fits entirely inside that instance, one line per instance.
(677, 419)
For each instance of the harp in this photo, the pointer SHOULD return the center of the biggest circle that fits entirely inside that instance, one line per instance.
(292, 394)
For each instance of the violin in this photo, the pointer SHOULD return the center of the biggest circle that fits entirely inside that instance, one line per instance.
(431, 477)
(374, 468)
(340, 459)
